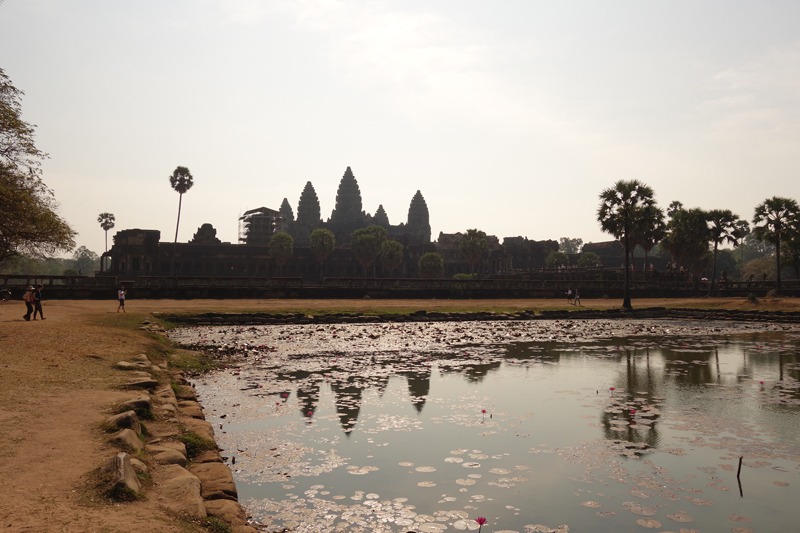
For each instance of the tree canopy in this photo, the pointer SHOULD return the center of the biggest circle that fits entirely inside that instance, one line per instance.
(281, 248)
(472, 246)
(29, 224)
(722, 227)
(322, 243)
(391, 255)
(624, 209)
(774, 217)
(431, 266)
(570, 246)
(556, 259)
(366, 244)
(589, 259)
(688, 240)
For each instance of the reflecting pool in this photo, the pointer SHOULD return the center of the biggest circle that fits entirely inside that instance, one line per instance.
(559, 426)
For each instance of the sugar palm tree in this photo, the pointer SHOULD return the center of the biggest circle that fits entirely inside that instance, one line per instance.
(106, 221)
(772, 219)
(741, 231)
(722, 224)
(622, 210)
(281, 248)
(649, 231)
(322, 243)
(181, 181)
(472, 246)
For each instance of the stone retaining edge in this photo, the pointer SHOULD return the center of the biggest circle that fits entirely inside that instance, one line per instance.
(203, 488)
(256, 319)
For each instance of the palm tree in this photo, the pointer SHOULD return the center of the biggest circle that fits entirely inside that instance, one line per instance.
(651, 229)
(106, 221)
(366, 245)
(741, 231)
(772, 219)
(181, 181)
(391, 255)
(281, 248)
(322, 243)
(722, 224)
(622, 208)
(473, 245)
(688, 240)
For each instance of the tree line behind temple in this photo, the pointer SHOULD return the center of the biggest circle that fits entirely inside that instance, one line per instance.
(31, 231)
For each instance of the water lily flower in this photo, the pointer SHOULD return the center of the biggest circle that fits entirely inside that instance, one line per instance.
(480, 520)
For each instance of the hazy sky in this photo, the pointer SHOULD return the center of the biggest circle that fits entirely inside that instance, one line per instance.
(509, 116)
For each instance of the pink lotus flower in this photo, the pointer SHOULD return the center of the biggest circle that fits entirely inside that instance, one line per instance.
(633, 411)
(480, 520)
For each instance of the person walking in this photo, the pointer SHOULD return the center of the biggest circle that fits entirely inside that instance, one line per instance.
(37, 302)
(578, 298)
(28, 298)
(121, 297)
(569, 295)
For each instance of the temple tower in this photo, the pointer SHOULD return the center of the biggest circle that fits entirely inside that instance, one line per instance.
(381, 218)
(286, 211)
(418, 226)
(347, 213)
(308, 218)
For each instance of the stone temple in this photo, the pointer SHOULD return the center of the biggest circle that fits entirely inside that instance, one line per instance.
(258, 225)
(140, 252)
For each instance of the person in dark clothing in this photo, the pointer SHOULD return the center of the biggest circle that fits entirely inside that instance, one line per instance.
(28, 297)
(37, 302)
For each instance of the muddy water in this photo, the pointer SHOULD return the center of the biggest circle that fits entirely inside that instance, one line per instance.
(536, 426)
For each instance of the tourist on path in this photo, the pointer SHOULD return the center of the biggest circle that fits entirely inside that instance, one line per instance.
(569, 295)
(28, 298)
(37, 302)
(577, 298)
(121, 297)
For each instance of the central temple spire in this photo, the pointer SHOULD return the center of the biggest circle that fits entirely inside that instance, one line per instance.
(347, 212)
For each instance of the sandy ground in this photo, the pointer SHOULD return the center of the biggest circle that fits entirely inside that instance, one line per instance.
(57, 385)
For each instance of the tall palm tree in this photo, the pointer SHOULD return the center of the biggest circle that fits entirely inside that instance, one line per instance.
(322, 243)
(649, 232)
(472, 246)
(772, 219)
(106, 221)
(622, 209)
(181, 181)
(281, 248)
(722, 224)
(741, 231)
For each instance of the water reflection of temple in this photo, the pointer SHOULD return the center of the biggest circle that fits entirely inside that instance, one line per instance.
(419, 386)
(348, 394)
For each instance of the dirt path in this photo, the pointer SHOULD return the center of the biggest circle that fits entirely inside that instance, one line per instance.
(57, 384)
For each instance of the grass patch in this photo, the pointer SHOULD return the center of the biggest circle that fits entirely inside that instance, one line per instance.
(193, 362)
(215, 525)
(202, 525)
(195, 444)
(100, 490)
